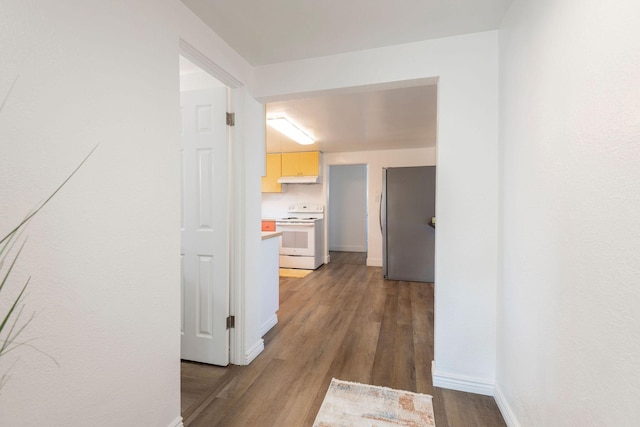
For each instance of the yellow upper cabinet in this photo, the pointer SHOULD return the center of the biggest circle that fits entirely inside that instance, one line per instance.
(301, 164)
(270, 182)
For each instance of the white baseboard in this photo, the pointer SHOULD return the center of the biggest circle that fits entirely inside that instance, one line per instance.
(374, 262)
(461, 382)
(177, 423)
(268, 324)
(254, 351)
(348, 248)
(505, 409)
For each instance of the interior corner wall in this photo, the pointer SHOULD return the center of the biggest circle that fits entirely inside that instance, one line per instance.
(569, 335)
(467, 179)
(103, 255)
(248, 157)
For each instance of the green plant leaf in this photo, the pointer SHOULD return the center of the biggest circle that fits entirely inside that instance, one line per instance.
(42, 205)
(10, 326)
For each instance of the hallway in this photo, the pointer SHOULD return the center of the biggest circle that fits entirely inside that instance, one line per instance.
(341, 321)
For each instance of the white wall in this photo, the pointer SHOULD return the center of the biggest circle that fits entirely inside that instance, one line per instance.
(198, 80)
(248, 154)
(347, 208)
(104, 255)
(467, 179)
(275, 205)
(569, 335)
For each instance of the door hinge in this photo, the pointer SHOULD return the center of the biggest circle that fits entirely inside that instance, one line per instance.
(231, 322)
(231, 119)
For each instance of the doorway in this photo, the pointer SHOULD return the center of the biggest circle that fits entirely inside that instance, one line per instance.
(347, 214)
(204, 221)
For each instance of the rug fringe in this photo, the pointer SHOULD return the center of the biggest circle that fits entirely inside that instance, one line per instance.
(379, 387)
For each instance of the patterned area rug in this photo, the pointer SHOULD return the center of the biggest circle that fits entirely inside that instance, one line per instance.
(354, 405)
(294, 272)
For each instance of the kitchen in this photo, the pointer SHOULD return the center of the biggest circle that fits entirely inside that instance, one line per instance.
(381, 128)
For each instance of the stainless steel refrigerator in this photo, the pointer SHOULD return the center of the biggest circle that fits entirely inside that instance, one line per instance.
(408, 237)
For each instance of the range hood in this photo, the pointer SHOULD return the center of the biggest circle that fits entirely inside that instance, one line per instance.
(299, 180)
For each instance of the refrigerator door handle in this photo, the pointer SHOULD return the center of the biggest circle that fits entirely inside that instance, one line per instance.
(382, 216)
(380, 212)
(383, 222)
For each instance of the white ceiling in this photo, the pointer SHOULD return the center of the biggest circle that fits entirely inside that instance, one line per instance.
(361, 121)
(266, 32)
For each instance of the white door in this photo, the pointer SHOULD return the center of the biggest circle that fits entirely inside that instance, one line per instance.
(205, 238)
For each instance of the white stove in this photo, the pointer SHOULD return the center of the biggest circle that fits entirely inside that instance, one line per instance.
(303, 213)
(302, 242)
(292, 220)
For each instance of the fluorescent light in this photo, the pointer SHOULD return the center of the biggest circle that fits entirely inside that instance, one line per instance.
(287, 128)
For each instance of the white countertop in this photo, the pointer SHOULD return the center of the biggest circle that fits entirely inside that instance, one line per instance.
(270, 234)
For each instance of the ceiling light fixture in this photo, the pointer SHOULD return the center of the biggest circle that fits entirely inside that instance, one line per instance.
(286, 127)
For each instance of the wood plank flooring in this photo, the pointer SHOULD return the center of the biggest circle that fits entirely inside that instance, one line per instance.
(344, 321)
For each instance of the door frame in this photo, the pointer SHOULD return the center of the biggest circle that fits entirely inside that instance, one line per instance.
(235, 205)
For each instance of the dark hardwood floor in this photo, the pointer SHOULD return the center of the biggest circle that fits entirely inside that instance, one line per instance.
(359, 258)
(344, 321)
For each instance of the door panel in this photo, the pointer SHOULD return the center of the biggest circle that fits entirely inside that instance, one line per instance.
(290, 164)
(205, 188)
(304, 163)
(309, 162)
(205, 242)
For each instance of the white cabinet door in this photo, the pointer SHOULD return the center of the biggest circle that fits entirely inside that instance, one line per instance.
(205, 225)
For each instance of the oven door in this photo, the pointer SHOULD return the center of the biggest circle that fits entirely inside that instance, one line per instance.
(297, 239)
